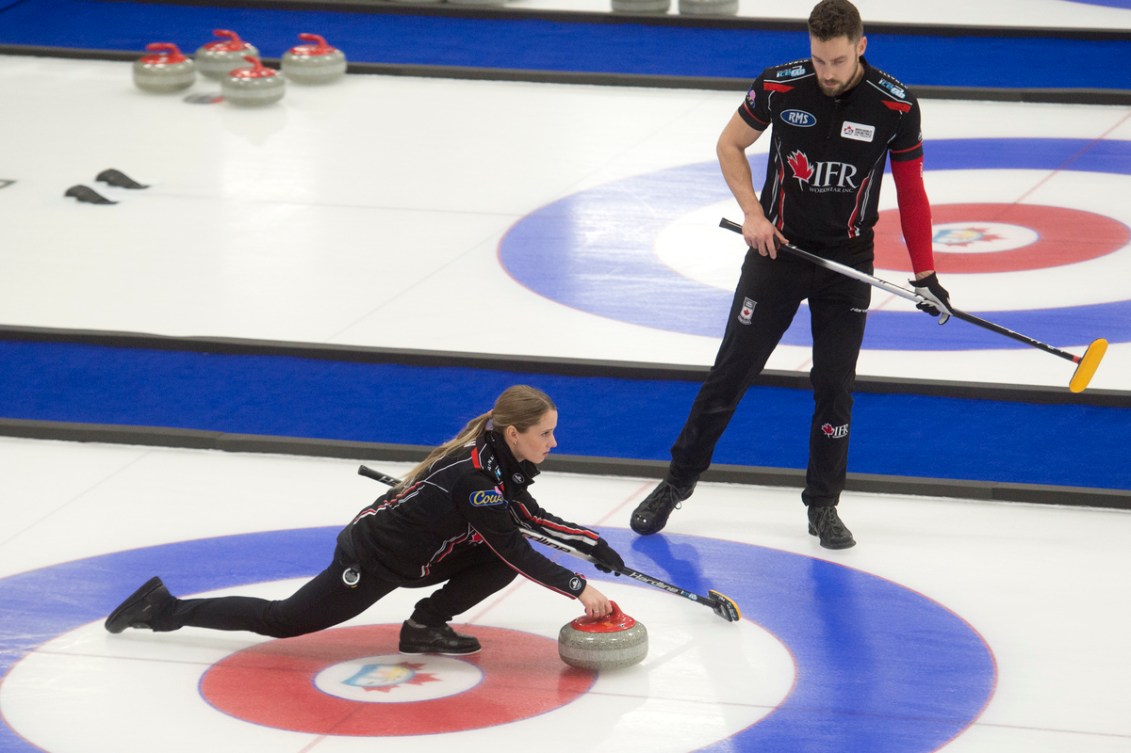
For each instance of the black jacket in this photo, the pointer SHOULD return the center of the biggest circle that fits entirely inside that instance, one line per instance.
(476, 496)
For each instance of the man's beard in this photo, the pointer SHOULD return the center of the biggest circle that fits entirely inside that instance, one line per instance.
(838, 87)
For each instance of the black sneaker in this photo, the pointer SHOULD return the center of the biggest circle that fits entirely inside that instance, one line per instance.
(140, 608)
(826, 523)
(651, 515)
(424, 639)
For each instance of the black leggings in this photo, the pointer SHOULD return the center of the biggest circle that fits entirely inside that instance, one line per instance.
(768, 295)
(326, 600)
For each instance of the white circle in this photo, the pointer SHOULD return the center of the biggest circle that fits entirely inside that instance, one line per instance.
(707, 678)
(395, 678)
(695, 247)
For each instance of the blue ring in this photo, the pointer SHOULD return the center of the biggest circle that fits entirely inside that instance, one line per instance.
(879, 667)
(1124, 4)
(594, 251)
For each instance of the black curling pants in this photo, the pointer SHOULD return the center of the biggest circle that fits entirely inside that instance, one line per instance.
(326, 600)
(766, 299)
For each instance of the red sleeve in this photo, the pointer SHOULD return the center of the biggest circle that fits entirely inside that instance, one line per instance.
(914, 212)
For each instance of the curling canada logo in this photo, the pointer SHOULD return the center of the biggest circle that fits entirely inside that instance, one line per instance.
(821, 177)
(385, 677)
(391, 678)
(960, 237)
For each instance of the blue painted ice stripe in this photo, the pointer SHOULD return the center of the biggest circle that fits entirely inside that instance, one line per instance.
(605, 417)
(1008, 61)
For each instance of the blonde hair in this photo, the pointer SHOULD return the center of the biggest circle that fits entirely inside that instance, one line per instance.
(520, 406)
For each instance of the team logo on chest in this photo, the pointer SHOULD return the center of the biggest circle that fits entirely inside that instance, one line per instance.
(857, 131)
(821, 176)
(799, 118)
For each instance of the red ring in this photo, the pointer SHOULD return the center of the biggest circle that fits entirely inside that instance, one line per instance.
(1065, 236)
(272, 684)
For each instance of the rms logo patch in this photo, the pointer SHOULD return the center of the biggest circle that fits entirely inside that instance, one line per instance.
(486, 499)
(798, 118)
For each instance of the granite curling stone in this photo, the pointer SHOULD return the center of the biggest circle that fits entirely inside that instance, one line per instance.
(610, 642)
(217, 59)
(164, 69)
(316, 63)
(641, 6)
(708, 7)
(253, 86)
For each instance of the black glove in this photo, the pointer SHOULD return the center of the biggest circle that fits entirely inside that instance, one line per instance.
(938, 300)
(607, 560)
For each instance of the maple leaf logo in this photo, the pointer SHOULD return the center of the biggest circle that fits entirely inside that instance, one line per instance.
(383, 678)
(799, 163)
(967, 236)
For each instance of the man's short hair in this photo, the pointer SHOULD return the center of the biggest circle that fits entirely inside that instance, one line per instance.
(835, 18)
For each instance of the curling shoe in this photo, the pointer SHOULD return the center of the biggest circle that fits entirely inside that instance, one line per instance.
(425, 639)
(825, 523)
(140, 608)
(651, 515)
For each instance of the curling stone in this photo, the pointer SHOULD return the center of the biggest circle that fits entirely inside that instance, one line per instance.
(253, 86)
(641, 6)
(610, 642)
(164, 69)
(708, 7)
(217, 59)
(317, 63)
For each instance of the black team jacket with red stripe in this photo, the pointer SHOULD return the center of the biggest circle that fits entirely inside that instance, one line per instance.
(827, 154)
(477, 496)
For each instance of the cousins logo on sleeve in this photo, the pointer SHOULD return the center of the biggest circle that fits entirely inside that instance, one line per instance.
(486, 499)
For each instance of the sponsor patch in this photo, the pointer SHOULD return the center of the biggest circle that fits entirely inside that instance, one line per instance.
(821, 177)
(835, 432)
(857, 131)
(575, 584)
(794, 72)
(747, 311)
(895, 89)
(798, 118)
(486, 499)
